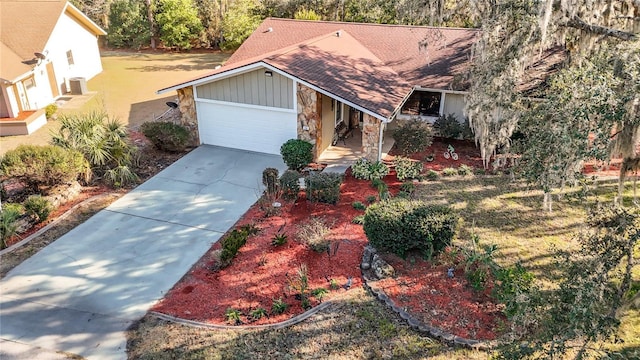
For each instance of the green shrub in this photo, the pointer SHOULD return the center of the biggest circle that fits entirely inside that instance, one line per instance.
(319, 293)
(510, 283)
(371, 199)
(413, 136)
(290, 184)
(367, 170)
(232, 243)
(449, 172)
(258, 313)
(233, 316)
(313, 233)
(119, 176)
(102, 140)
(38, 207)
(166, 135)
(279, 239)
(44, 165)
(9, 216)
(401, 225)
(467, 132)
(278, 307)
(465, 170)
(358, 220)
(323, 187)
(432, 175)
(408, 187)
(448, 126)
(296, 153)
(358, 205)
(270, 180)
(407, 168)
(50, 110)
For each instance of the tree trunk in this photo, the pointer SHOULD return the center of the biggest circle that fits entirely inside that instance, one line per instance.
(151, 24)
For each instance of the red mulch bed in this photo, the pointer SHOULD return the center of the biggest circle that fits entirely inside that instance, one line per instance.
(260, 271)
(424, 290)
(467, 152)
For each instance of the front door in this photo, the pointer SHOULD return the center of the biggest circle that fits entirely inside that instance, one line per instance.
(53, 82)
(22, 95)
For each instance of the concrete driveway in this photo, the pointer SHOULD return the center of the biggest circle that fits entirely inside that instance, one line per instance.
(79, 294)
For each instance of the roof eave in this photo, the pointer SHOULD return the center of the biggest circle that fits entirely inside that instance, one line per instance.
(86, 21)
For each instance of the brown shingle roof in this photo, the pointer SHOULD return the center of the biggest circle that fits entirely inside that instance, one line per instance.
(373, 66)
(26, 25)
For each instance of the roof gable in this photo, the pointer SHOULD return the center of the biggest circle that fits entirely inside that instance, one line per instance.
(27, 25)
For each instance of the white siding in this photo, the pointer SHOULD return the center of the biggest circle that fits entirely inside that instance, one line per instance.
(253, 88)
(454, 104)
(67, 35)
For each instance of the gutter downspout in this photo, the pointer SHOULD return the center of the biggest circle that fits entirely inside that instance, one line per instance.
(380, 140)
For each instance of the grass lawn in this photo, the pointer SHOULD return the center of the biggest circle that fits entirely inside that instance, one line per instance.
(127, 87)
(359, 327)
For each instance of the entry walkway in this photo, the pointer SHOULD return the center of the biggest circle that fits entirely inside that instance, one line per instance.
(79, 294)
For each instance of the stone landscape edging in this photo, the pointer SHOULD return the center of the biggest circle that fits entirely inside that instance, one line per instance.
(280, 325)
(420, 326)
(66, 214)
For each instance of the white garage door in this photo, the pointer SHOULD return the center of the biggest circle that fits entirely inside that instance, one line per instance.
(247, 128)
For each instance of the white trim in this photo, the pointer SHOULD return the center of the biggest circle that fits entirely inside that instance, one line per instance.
(253, 66)
(250, 106)
(442, 98)
(419, 88)
(295, 95)
(380, 141)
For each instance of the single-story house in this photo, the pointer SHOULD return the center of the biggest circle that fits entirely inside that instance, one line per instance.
(46, 48)
(300, 79)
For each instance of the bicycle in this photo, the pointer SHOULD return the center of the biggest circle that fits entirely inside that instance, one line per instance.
(451, 153)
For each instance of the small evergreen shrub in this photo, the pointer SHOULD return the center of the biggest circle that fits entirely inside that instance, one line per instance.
(367, 170)
(465, 170)
(296, 153)
(8, 222)
(371, 199)
(401, 225)
(432, 175)
(407, 168)
(50, 110)
(44, 165)
(233, 316)
(358, 205)
(323, 187)
(278, 307)
(258, 313)
(166, 136)
(448, 126)
(408, 187)
(290, 184)
(413, 136)
(270, 180)
(38, 207)
(449, 172)
(231, 244)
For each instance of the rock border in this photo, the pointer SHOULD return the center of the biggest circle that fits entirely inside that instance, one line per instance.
(280, 325)
(414, 323)
(66, 214)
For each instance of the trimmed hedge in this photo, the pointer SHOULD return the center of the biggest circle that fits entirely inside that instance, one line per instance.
(323, 187)
(166, 136)
(401, 225)
(44, 165)
(296, 153)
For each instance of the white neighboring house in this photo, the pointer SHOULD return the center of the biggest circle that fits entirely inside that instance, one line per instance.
(43, 45)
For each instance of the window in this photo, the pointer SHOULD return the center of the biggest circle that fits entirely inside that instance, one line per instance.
(29, 83)
(338, 112)
(424, 103)
(70, 57)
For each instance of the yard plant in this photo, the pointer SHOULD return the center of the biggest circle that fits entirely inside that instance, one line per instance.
(369, 170)
(401, 225)
(166, 135)
(324, 187)
(407, 168)
(412, 136)
(38, 206)
(290, 184)
(296, 153)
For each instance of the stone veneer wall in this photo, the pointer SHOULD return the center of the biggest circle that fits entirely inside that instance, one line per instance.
(370, 137)
(189, 118)
(309, 116)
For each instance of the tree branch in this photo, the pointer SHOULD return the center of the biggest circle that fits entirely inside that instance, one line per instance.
(580, 24)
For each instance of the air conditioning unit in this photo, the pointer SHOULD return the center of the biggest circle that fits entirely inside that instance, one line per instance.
(78, 86)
